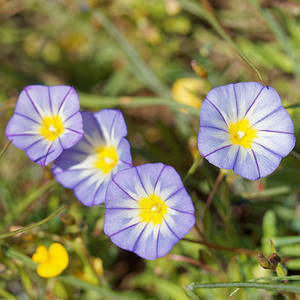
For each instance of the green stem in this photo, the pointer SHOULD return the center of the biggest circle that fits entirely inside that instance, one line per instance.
(204, 12)
(193, 167)
(34, 225)
(96, 101)
(256, 285)
(295, 105)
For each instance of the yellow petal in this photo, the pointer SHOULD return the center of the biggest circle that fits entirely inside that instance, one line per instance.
(58, 256)
(41, 254)
(48, 270)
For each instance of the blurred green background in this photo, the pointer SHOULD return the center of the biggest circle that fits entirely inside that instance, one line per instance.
(131, 54)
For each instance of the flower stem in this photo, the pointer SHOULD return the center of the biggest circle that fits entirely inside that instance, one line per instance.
(212, 193)
(223, 248)
(34, 225)
(4, 149)
(197, 263)
(193, 167)
(295, 154)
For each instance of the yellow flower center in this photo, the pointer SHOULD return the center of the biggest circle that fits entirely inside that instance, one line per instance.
(106, 158)
(152, 209)
(52, 127)
(52, 262)
(241, 133)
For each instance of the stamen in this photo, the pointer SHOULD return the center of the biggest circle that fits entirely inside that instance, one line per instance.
(106, 158)
(52, 128)
(153, 208)
(240, 134)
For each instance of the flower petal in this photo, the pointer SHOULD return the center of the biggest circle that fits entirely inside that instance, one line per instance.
(278, 120)
(128, 180)
(146, 245)
(246, 94)
(86, 190)
(22, 131)
(266, 102)
(124, 152)
(180, 222)
(64, 101)
(38, 95)
(148, 175)
(73, 131)
(211, 117)
(224, 100)
(43, 152)
(180, 201)
(246, 164)
(166, 240)
(267, 160)
(279, 142)
(116, 197)
(112, 124)
(168, 183)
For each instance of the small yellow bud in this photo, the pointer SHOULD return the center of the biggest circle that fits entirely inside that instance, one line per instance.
(189, 91)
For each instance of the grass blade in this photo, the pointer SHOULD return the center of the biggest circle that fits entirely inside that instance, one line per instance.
(140, 67)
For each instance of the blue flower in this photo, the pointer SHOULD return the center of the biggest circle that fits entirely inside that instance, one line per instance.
(46, 121)
(147, 210)
(88, 167)
(244, 127)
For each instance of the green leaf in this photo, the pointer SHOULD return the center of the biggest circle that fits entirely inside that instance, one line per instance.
(293, 288)
(288, 240)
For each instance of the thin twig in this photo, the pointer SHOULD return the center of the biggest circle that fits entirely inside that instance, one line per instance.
(223, 248)
(5, 148)
(212, 193)
(189, 260)
(34, 225)
(295, 154)
(202, 11)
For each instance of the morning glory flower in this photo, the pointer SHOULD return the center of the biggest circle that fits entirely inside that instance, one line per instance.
(45, 122)
(244, 127)
(147, 210)
(88, 166)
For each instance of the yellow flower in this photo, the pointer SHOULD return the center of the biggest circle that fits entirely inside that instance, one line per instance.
(52, 262)
(189, 91)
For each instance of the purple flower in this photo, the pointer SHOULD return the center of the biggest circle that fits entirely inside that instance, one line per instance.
(87, 167)
(244, 127)
(147, 210)
(46, 121)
